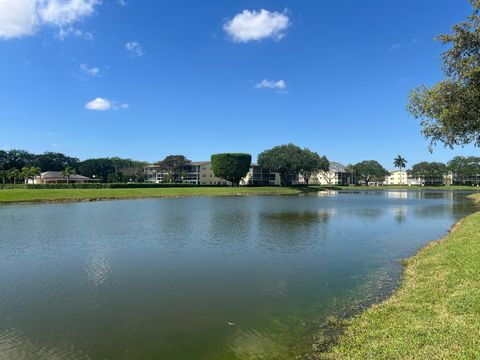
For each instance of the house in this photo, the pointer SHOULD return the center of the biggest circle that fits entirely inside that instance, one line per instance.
(56, 177)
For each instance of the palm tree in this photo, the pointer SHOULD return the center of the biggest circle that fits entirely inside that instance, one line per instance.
(14, 174)
(67, 172)
(400, 162)
(30, 173)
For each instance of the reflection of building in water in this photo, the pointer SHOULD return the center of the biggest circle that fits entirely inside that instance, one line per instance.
(397, 194)
(327, 193)
(400, 214)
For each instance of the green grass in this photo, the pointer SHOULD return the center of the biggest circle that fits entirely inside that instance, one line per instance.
(61, 195)
(435, 314)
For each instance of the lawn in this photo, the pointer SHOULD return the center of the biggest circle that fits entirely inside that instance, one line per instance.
(435, 314)
(60, 195)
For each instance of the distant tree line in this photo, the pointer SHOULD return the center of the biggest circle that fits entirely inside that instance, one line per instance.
(288, 160)
(19, 165)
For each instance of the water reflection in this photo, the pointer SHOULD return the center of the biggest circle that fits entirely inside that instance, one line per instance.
(162, 279)
(400, 214)
(292, 231)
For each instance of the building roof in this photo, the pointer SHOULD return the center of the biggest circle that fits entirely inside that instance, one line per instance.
(195, 163)
(53, 175)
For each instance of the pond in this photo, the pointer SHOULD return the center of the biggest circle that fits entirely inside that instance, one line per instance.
(249, 277)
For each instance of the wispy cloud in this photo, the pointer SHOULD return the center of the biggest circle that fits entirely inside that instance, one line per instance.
(122, 2)
(257, 25)
(271, 84)
(134, 49)
(19, 18)
(394, 47)
(417, 41)
(63, 33)
(101, 104)
(93, 72)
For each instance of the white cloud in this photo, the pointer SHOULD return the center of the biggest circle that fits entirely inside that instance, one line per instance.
(395, 47)
(135, 49)
(252, 25)
(101, 104)
(24, 17)
(271, 84)
(93, 72)
(122, 2)
(61, 12)
(17, 18)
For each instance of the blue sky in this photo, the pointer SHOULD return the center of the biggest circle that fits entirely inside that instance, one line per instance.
(144, 79)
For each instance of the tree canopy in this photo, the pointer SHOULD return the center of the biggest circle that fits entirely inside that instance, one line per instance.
(430, 172)
(289, 160)
(174, 166)
(310, 163)
(231, 166)
(450, 110)
(465, 166)
(369, 170)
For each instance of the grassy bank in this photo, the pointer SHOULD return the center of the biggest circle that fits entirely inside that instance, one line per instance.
(435, 314)
(64, 195)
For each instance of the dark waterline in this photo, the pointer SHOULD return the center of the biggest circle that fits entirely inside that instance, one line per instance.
(203, 278)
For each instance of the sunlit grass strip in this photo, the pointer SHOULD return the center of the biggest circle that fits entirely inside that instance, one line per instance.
(435, 314)
(64, 195)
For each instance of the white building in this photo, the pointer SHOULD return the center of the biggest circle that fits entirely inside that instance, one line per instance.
(401, 177)
(336, 175)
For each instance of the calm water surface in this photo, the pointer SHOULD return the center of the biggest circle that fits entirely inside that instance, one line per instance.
(202, 278)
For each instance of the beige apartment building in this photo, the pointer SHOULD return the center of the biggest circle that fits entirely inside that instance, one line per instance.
(195, 173)
(401, 177)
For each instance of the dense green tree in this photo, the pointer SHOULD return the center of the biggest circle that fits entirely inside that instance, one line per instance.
(52, 161)
(465, 169)
(18, 159)
(3, 160)
(174, 165)
(431, 172)
(97, 168)
(284, 159)
(311, 163)
(369, 170)
(450, 110)
(231, 166)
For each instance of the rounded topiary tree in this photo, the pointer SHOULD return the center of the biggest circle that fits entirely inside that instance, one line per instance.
(231, 166)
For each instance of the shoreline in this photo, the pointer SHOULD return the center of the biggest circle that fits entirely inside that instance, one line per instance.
(393, 327)
(59, 196)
